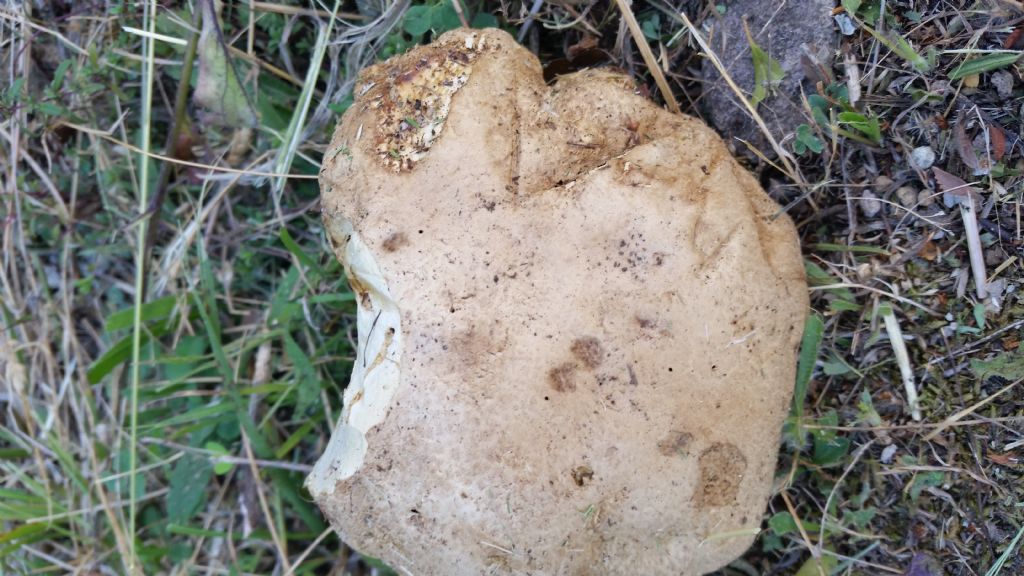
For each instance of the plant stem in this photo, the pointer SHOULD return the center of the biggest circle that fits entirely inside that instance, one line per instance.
(180, 121)
(148, 68)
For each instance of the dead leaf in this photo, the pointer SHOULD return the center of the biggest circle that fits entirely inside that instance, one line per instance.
(929, 251)
(1016, 36)
(922, 565)
(965, 148)
(218, 89)
(998, 139)
(954, 189)
(1008, 459)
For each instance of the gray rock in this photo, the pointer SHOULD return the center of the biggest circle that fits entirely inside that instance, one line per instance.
(1003, 81)
(786, 31)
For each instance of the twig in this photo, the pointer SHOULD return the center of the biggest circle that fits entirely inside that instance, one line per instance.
(835, 487)
(282, 550)
(974, 246)
(648, 56)
(907, 301)
(815, 552)
(529, 20)
(899, 348)
(297, 11)
(131, 148)
(458, 11)
(180, 120)
(970, 409)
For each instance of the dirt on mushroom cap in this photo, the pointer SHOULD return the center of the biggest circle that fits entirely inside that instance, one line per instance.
(596, 315)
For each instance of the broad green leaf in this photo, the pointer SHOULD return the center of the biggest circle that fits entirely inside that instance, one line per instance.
(986, 63)
(840, 305)
(818, 566)
(51, 109)
(1009, 365)
(60, 74)
(444, 18)
(924, 480)
(220, 468)
(484, 20)
(189, 480)
(417, 20)
(806, 140)
(782, 523)
(122, 351)
(829, 448)
(868, 125)
(155, 310)
(195, 415)
(814, 329)
(187, 354)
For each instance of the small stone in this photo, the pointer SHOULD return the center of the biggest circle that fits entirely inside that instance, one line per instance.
(870, 205)
(922, 157)
(925, 198)
(907, 196)
(883, 183)
(1003, 81)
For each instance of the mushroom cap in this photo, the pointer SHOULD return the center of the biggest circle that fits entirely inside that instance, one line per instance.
(578, 320)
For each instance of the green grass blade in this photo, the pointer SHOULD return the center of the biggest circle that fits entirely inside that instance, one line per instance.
(814, 329)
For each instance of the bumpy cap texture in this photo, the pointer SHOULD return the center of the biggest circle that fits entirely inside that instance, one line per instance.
(577, 324)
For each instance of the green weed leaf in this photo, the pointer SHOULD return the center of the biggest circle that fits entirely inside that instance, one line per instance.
(814, 329)
(767, 71)
(829, 448)
(189, 479)
(867, 125)
(806, 140)
(986, 63)
(1009, 365)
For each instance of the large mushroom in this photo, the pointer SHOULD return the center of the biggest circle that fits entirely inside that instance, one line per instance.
(578, 319)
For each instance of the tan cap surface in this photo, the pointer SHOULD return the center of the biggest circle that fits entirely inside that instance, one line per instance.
(578, 324)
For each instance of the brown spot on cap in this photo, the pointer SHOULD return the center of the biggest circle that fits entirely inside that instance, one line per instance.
(582, 474)
(395, 241)
(589, 351)
(563, 377)
(722, 467)
(675, 443)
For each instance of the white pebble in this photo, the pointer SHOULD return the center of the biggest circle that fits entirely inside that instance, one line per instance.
(922, 157)
(870, 205)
